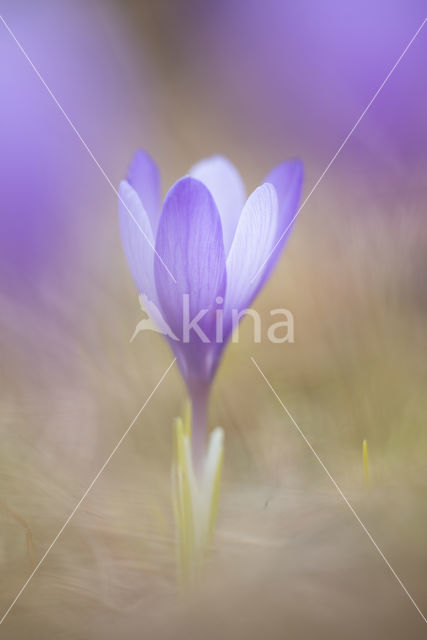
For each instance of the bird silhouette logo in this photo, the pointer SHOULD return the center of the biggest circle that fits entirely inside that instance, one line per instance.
(154, 320)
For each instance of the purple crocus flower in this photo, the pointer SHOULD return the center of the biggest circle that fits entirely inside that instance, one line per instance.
(206, 252)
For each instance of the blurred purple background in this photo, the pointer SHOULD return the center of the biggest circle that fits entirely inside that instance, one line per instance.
(53, 195)
(259, 81)
(298, 76)
(315, 65)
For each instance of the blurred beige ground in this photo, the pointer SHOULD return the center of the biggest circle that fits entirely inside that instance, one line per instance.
(289, 559)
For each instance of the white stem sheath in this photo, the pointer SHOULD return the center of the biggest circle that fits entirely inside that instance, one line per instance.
(195, 497)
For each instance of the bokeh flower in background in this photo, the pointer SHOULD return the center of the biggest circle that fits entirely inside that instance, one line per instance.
(301, 73)
(52, 192)
(54, 198)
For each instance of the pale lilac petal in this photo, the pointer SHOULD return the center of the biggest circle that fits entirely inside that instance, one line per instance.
(253, 240)
(138, 240)
(227, 188)
(143, 176)
(287, 180)
(189, 241)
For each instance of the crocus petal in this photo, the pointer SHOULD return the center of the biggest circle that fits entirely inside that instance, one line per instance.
(189, 241)
(143, 176)
(253, 240)
(227, 188)
(138, 240)
(287, 180)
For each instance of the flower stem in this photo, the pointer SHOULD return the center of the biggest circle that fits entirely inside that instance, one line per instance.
(194, 499)
(199, 413)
